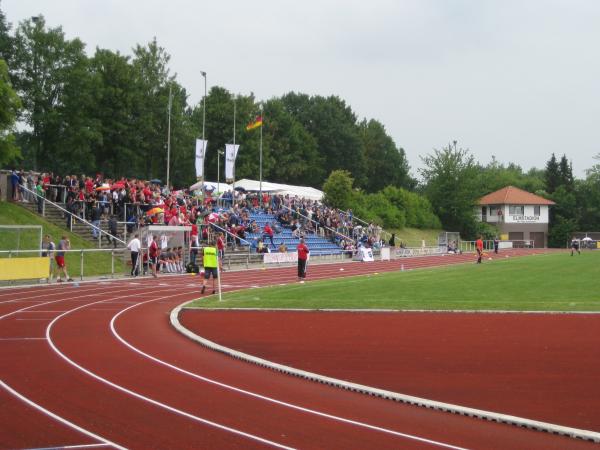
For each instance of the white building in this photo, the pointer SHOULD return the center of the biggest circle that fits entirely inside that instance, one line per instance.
(518, 214)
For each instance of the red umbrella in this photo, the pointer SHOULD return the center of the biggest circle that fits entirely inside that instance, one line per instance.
(118, 185)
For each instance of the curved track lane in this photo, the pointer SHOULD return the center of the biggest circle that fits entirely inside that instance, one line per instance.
(104, 358)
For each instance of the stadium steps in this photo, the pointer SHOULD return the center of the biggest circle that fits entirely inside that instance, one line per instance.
(55, 216)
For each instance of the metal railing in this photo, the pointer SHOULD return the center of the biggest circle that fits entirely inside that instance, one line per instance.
(317, 224)
(94, 270)
(73, 216)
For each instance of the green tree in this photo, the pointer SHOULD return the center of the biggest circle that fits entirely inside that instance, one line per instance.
(450, 177)
(9, 106)
(334, 127)
(338, 189)
(565, 174)
(552, 175)
(47, 71)
(385, 163)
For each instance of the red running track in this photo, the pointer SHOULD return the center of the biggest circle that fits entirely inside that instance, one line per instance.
(103, 360)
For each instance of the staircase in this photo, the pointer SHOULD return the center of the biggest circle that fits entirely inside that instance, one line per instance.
(58, 217)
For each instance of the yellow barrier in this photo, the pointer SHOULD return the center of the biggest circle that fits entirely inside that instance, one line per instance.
(24, 268)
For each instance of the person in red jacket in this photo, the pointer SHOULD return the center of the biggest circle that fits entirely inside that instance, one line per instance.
(268, 233)
(479, 248)
(302, 259)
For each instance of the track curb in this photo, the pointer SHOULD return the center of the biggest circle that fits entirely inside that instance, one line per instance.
(521, 422)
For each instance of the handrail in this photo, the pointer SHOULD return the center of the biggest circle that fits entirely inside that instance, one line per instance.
(318, 224)
(229, 233)
(364, 222)
(74, 216)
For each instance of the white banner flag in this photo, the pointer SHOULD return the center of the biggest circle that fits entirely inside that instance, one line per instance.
(200, 152)
(231, 151)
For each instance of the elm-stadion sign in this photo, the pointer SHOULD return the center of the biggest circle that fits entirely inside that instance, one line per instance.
(525, 219)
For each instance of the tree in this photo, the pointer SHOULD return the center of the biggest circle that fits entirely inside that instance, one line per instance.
(552, 175)
(338, 189)
(450, 177)
(9, 106)
(385, 163)
(565, 174)
(46, 72)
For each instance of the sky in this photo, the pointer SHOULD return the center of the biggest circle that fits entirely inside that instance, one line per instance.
(514, 79)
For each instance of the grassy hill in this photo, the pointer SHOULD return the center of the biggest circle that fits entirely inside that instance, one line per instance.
(94, 263)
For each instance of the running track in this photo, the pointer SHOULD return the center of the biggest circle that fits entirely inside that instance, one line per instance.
(99, 366)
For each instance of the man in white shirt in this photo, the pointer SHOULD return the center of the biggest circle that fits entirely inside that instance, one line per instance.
(134, 246)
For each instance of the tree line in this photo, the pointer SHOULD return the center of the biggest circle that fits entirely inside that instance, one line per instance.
(69, 113)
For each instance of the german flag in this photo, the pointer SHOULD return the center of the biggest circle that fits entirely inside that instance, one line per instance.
(255, 124)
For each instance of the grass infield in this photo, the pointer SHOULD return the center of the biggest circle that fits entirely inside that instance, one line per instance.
(551, 282)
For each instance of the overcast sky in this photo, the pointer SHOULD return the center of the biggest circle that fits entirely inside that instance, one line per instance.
(517, 79)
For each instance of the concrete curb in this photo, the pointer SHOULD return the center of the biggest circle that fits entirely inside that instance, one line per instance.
(521, 422)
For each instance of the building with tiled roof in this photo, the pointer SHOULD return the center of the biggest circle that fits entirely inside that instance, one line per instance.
(518, 214)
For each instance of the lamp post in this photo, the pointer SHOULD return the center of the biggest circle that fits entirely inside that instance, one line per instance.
(203, 138)
(36, 93)
(169, 140)
(219, 154)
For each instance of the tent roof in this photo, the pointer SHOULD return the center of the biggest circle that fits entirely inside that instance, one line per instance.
(219, 187)
(278, 188)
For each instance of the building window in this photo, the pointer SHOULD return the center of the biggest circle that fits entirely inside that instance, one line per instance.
(536, 210)
(516, 210)
(493, 210)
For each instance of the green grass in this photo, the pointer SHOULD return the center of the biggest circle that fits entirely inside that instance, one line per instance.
(552, 282)
(412, 237)
(95, 263)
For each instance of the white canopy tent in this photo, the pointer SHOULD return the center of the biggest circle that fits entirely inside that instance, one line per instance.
(283, 189)
(218, 187)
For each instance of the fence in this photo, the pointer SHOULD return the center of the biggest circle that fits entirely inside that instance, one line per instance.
(82, 262)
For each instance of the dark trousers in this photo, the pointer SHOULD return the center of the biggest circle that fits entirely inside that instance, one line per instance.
(135, 270)
(301, 268)
(479, 254)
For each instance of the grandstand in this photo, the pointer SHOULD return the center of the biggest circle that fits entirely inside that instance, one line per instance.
(318, 245)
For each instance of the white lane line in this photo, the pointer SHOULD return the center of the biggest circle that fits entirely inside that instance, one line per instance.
(148, 399)
(61, 447)
(54, 301)
(59, 418)
(270, 399)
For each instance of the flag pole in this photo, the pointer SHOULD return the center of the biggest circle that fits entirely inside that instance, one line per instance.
(169, 139)
(261, 154)
(233, 188)
(203, 139)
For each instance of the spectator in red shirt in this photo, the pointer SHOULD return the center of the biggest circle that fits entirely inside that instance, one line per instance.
(220, 249)
(302, 260)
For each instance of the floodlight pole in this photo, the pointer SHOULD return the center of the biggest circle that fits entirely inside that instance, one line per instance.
(169, 139)
(203, 138)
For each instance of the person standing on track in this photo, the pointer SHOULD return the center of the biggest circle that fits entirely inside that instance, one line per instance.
(575, 247)
(496, 245)
(479, 248)
(153, 251)
(303, 252)
(63, 245)
(48, 250)
(134, 246)
(211, 266)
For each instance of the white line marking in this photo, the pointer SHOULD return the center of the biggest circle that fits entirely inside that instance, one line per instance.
(58, 418)
(270, 399)
(142, 397)
(61, 447)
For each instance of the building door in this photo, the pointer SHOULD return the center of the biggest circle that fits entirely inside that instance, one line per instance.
(538, 239)
(517, 238)
(484, 213)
